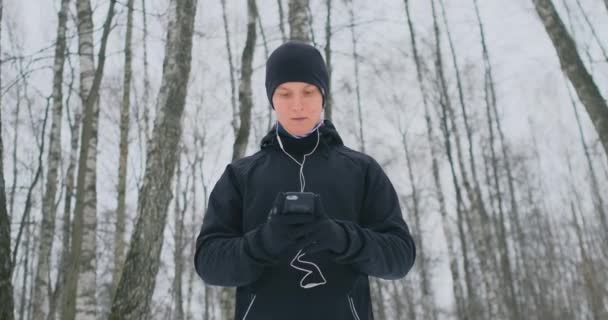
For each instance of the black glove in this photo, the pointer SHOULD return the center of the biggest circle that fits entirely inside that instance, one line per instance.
(275, 232)
(322, 233)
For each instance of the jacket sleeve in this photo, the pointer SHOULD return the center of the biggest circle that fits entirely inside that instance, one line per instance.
(224, 255)
(381, 245)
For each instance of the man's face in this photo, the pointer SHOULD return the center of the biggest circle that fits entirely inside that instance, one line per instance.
(298, 106)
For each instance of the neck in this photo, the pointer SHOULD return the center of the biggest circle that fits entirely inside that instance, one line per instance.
(283, 130)
(298, 146)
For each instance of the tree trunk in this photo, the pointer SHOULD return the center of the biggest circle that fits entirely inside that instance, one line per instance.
(146, 103)
(245, 92)
(328, 97)
(282, 20)
(178, 237)
(133, 296)
(69, 194)
(231, 70)
(573, 66)
(22, 299)
(357, 84)
(41, 297)
(80, 300)
(6, 265)
(299, 27)
(119, 242)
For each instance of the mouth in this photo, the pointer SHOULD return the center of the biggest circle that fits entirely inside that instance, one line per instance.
(298, 119)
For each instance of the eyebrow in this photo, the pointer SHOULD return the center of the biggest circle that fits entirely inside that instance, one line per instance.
(308, 86)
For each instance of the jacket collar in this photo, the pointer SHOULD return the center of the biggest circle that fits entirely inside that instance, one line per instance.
(329, 137)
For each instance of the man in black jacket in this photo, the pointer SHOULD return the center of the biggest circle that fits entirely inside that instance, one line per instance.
(294, 263)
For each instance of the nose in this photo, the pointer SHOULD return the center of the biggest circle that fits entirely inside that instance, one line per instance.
(297, 103)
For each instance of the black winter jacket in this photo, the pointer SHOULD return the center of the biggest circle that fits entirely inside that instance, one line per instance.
(355, 192)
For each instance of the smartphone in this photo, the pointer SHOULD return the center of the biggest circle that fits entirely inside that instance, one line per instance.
(299, 202)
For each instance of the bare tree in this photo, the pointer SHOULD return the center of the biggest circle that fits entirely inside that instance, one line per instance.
(299, 27)
(81, 263)
(282, 20)
(47, 228)
(573, 66)
(6, 264)
(231, 72)
(146, 104)
(119, 242)
(179, 210)
(328, 35)
(245, 91)
(69, 195)
(351, 10)
(133, 295)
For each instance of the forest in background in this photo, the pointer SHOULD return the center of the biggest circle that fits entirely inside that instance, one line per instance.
(490, 118)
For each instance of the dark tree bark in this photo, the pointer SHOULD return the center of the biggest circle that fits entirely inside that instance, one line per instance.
(573, 66)
(328, 36)
(231, 72)
(119, 233)
(245, 91)
(6, 264)
(351, 11)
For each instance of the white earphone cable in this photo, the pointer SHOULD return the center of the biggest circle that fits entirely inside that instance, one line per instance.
(300, 254)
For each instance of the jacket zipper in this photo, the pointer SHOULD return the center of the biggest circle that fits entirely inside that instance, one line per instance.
(352, 307)
(249, 307)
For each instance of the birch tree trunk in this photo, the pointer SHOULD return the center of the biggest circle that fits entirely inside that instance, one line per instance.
(133, 295)
(59, 293)
(299, 28)
(80, 300)
(6, 265)
(573, 66)
(146, 113)
(86, 302)
(178, 256)
(119, 242)
(41, 297)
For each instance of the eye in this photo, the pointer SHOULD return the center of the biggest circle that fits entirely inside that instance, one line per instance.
(308, 92)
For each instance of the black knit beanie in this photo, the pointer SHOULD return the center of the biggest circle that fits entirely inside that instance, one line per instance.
(296, 61)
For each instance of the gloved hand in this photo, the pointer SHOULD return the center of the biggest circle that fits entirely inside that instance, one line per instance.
(275, 233)
(322, 233)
